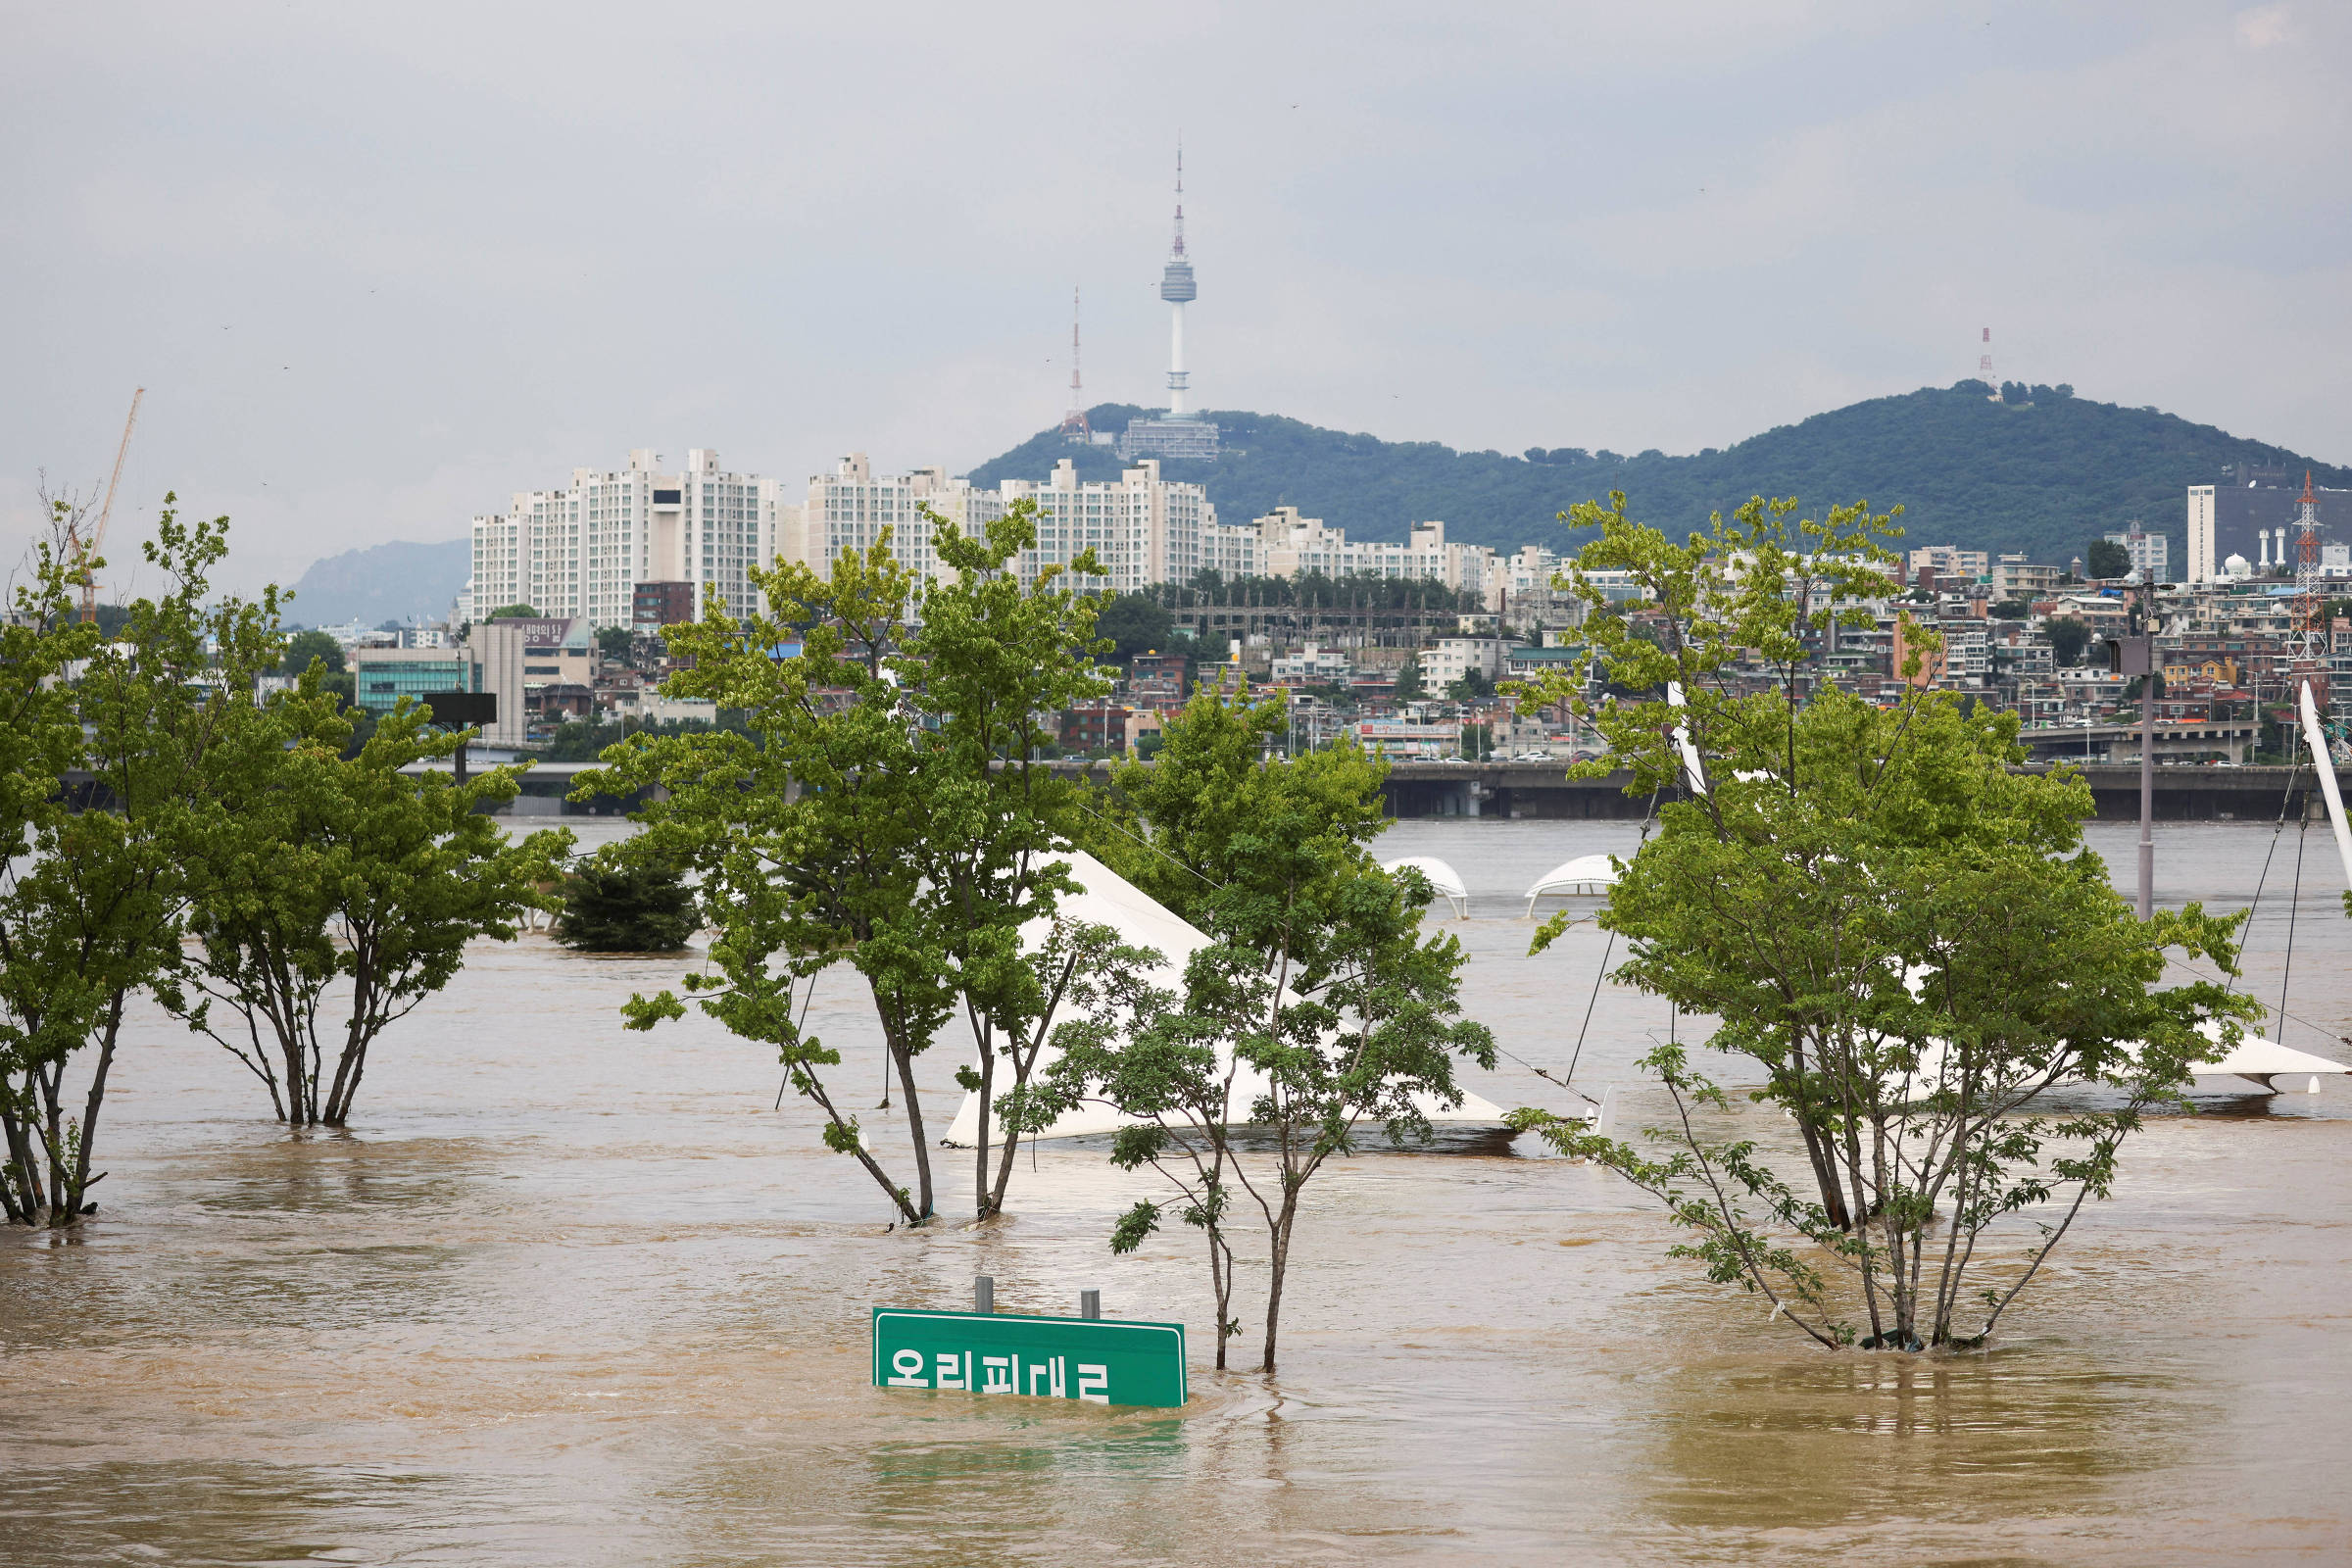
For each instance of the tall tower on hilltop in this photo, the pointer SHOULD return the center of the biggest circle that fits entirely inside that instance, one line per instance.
(1073, 421)
(1180, 432)
(1177, 287)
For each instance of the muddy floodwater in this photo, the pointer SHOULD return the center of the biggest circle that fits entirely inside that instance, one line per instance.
(566, 1295)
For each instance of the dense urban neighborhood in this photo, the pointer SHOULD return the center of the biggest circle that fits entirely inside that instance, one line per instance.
(1416, 647)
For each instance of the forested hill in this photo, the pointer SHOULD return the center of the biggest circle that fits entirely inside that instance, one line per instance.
(2046, 475)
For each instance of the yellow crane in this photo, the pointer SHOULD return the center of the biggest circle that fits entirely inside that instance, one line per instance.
(84, 550)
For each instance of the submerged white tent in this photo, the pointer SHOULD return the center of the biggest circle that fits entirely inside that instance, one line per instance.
(1443, 880)
(1109, 899)
(2273, 1066)
(1585, 874)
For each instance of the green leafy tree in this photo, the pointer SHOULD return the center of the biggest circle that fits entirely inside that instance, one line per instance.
(2107, 558)
(512, 612)
(1904, 939)
(1410, 687)
(1317, 1007)
(616, 908)
(95, 890)
(885, 808)
(614, 642)
(2069, 635)
(340, 893)
(305, 646)
(1136, 624)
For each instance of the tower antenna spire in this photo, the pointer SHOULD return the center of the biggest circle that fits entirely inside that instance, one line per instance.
(1177, 287)
(1073, 420)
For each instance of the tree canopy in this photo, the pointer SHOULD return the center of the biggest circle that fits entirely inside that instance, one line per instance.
(1904, 935)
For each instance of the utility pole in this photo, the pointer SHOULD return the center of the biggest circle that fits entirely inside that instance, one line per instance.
(2136, 656)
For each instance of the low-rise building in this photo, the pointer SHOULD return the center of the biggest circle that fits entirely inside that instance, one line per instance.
(1451, 658)
(1312, 665)
(381, 676)
(1411, 738)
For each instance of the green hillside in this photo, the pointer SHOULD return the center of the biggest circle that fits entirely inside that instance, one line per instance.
(2044, 475)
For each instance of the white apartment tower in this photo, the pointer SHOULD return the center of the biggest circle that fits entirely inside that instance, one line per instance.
(849, 507)
(582, 550)
(1144, 528)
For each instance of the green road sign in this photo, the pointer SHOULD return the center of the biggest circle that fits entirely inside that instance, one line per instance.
(1101, 1361)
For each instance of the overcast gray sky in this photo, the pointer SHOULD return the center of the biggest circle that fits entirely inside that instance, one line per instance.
(379, 266)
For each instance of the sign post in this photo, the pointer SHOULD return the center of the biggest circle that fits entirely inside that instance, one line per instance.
(1097, 1360)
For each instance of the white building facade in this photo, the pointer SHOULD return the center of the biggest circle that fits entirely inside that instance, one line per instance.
(1145, 529)
(581, 551)
(1292, 546)
(849, 507)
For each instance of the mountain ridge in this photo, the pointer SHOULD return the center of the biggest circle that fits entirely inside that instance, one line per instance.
(2044, 475)
(401, 580)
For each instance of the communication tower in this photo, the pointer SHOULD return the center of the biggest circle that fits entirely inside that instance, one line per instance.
(1180, 432)
(1177, 287)
(2309, 619)
(1073, 422)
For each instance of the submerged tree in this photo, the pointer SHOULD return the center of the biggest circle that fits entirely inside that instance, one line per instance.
(98, 874)
(613, 907)
(1316, 1008)
(883, 807)
(341, 892)
(1905, 937)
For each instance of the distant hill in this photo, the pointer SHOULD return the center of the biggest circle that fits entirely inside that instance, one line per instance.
(399, 581)
(2044, 476)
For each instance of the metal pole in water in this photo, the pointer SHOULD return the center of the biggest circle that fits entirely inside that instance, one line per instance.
(1089, 1303)
(984, 1293)
(2138, 657)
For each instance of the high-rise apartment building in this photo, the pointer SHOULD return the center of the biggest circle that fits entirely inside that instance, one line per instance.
(581, 551)
(1142, 528)
(849, 507)
(1292, 546)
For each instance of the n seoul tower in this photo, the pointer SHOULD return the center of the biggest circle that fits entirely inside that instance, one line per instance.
(1177, 287)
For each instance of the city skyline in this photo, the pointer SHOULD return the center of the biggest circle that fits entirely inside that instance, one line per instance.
(397, 279)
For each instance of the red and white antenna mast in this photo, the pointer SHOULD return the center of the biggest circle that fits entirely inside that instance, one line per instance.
(1073, 421)
(2309, 619)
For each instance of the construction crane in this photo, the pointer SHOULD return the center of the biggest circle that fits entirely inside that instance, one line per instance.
(85, 550)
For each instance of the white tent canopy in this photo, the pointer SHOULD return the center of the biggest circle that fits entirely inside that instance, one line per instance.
(2266, 1062)
(1443, 880)
(1109, 899)
(1585, 874)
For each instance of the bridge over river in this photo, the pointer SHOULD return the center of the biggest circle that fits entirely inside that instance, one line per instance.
(1430, 789)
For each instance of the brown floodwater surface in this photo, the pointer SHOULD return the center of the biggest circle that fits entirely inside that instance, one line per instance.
(568, 1295)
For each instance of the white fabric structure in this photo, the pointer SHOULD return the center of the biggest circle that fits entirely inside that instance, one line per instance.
(2266, 1062)
(1585, 874)
(1443, 880)
(1109, 899)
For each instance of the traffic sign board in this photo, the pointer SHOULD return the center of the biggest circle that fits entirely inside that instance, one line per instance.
(1100, 1361)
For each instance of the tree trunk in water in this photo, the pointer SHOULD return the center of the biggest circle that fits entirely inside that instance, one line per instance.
(79, 1182)
(1012, 1144)
(19, 1178)
(1220, 1280)
(354, 1060)
(915, 1129)
(981, 1205)
(1278, 1260)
